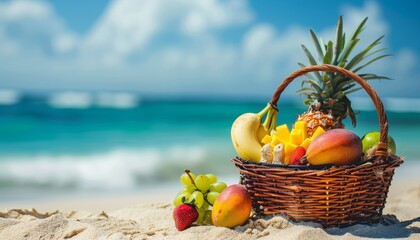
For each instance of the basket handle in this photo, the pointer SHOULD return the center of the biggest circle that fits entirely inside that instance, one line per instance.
(382, 150)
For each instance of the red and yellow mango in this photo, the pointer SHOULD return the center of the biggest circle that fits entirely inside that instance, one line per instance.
(336, 146)
(232, 207)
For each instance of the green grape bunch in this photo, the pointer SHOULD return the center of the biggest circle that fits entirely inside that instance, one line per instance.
(201, 191)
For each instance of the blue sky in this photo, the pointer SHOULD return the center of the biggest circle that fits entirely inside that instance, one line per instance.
(208, 47)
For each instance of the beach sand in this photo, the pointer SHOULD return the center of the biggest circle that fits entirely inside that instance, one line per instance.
(149, 216)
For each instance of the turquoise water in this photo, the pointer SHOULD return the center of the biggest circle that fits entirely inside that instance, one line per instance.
(44, 145)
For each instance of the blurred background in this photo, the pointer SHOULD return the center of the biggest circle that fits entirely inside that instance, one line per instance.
(121, 96)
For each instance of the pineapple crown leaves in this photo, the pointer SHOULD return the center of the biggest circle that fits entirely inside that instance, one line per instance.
(331, 89)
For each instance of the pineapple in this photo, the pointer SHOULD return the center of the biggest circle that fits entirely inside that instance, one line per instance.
(327, 92)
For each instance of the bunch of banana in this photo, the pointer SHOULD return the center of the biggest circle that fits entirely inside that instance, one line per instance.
(248, 131)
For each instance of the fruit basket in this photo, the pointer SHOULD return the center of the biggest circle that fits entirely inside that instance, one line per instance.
(334, 196)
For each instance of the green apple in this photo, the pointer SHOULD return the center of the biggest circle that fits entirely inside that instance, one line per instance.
(372, 138)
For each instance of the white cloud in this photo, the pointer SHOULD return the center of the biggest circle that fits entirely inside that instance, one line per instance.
(208, 14)
(258, 39)
(376, 26)
(132, 25)
(166, 46)
(32, 27)
(269, 53)
(125, 26)
(405, 61)
(16, 10)
(194, 23)
(64, 43)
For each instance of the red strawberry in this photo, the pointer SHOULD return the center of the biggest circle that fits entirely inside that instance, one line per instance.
(297, 155)
(185, 215)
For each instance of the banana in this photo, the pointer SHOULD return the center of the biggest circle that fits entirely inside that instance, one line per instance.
(247, 132)
(269, 124)
(244, 136)
(263, 128)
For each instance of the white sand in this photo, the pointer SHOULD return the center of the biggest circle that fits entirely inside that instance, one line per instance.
(151, 218)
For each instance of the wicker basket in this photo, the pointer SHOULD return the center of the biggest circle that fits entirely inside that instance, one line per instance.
(332, 196)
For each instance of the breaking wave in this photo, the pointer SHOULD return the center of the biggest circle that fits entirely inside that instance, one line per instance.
(116, 169)
(83, 100)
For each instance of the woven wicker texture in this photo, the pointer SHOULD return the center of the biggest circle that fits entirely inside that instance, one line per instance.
(332, 196)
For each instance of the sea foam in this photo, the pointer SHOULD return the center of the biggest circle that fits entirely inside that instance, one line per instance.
(116, 100)
(402, 104)
(83, 100)
(70, 99)
(391, 104)
(9, 97)
(114, 170)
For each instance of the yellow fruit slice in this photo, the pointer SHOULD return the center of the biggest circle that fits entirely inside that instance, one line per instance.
(266, 139)
(317, 132)
(283, 132)
(296, 136)
(302, 126)
(306, 143)
(276, 140)
(288, 149)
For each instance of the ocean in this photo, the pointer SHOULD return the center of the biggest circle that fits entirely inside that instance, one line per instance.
(85, 142)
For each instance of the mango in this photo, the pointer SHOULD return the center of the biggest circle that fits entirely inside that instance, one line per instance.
(301, 125)
(336, 146)
(266, 139)
(283, 131)
(317, 132)
(296, 136)
(232, 207)
(305, 144)
(275, 140)
(288, 149)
